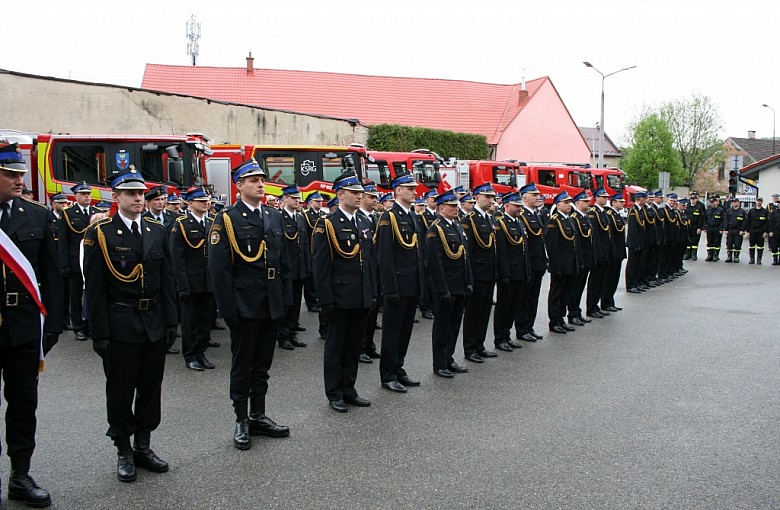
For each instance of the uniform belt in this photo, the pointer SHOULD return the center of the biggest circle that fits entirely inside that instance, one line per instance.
(138, 304)
(268, 273)
(15, 298)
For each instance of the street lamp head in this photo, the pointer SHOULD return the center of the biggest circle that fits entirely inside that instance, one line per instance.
(765, 105)
(588, 64)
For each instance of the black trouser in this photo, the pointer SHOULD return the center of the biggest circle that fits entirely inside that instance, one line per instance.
(634, 268)
(666, 260)
(757, 240)
(558, 297)
(714, 239)
(19, 370)
(649, 263)
(596, 283)
(397, 324)
(576, 290)
(309, 295)
(529, 304)
(76, 290)
(252, 345)
(774, 242)
(197, 314)
(66, 299)
(508, 299)
(292, 313)
(733, 241)
(477, 316)
(368, 338)
(426, 298)
(342, 350)
(693, 238)
(446, 327)
(134, 375)
(611, 281)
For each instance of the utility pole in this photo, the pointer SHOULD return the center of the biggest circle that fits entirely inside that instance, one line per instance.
(193, 34)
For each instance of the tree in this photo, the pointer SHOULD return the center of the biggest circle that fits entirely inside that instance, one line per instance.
(695, 125)
(652, 152)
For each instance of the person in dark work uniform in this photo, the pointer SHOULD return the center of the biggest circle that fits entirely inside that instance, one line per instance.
(736, 219)
(248, 260)
(513, 269)
(297, 245)
(132, 309)
(72, 229)
(696, 214)
(773, 228)
(561, 243)
(155, 207)
(189, 251)
(27, 241)
(312, 214)
(682, 236)
(450, 275)
(602, 251)
(401, 274)
(427, 216)
(533, 225)
(755, 226)
(670, 226)
(618, 245)
(635, 242)
(583, 241)
(481, 236)
(56, 217)
(344, 278)
(715, 224)
(368, 211)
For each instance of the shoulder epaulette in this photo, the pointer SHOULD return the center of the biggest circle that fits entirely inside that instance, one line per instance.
(152, 220)
(470, 214)
(37, 203)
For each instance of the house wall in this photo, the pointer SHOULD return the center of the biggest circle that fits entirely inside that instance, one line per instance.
(769, 182)
(36, 104)
(543, 131)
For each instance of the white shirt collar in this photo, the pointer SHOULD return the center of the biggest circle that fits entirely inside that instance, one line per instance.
(128, 222)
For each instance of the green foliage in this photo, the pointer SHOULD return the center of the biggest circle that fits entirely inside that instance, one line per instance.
(448, 144)
(652, 152)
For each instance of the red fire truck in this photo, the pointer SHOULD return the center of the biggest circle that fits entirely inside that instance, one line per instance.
(382, 167)
(62, 160)
(310, 167)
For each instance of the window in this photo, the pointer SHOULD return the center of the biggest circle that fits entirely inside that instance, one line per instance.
(579, 180)
(400, 168)
(279, 169)
(721, 170)
(547, 178)
(153, 161)
(379, 173)
(331, 168)
(502, 175)
(599, 181)
(424, 171)
(82, 163)
(615, 182)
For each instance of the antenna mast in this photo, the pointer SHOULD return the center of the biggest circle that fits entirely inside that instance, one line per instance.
(193, 34)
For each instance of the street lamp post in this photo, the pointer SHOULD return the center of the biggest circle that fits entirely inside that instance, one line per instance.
(601, 129)
(773, 126)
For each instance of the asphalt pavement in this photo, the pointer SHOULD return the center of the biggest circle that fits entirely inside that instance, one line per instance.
(670, 403)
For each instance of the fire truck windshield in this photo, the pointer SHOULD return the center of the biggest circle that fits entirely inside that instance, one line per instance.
(581, 180)
(424, 171)
(615, 182)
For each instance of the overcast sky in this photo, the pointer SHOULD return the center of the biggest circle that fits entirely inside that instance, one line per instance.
(725, 50)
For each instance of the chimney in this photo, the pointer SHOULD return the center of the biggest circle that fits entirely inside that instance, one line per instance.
(752, 135)
(522, 96)
(250, 64)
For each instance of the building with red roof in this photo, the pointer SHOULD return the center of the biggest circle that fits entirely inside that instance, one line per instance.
(525, 122)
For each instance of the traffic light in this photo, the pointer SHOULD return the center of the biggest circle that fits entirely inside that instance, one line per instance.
(732, 181)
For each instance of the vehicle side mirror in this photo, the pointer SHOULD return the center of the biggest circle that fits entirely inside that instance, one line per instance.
(175, 170)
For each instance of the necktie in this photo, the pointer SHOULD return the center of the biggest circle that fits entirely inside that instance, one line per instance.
(354, 222)
(136, 233)
(6, 216)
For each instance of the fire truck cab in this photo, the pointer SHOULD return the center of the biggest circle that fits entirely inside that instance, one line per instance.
(383, 167)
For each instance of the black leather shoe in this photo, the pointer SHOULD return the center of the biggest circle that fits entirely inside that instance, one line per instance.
(299, 328)
(314, 308)
(149, 461)
(205, 363)
(487, 354)
(241, 439)
(576, 321)
(528, 337)
(568, 328)
(81, 336)
(195, 365)
(297, 343)
(67, 326)
(216, 325)
(365, 358)
(514, 345)
(558, 329)
(612, 308)
(262, 425)
(212, 343)
(443, 372)
(596, 315)
(583, 319)
(285, 344)
(339, 406)
(604, 313)
(474, 358)
(634, 290)
(535, 334)
(373, 355)
(125, 468)
(503, 346)
(357, 401)
(171, 350)
(24, 488)
(407, 381)
(394, 386)
(456, 368)
(427, 314)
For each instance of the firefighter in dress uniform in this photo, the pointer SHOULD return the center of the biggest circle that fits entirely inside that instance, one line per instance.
(561, 242)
